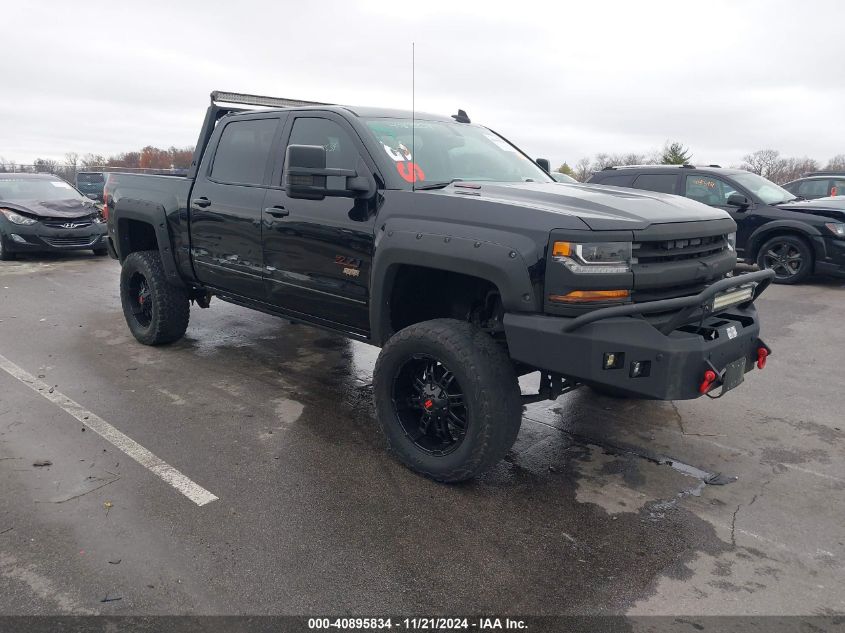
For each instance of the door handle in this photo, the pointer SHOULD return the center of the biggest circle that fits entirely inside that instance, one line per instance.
(202, 203)
(277, 212)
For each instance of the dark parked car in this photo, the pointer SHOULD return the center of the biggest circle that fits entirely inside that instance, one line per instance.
(40, 212)
(818, 185)
(464, 261)
(91, 183)
(775, 228)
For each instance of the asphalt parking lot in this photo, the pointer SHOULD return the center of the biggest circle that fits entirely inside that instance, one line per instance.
(276, 495)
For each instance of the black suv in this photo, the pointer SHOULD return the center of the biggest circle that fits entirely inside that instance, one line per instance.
(818, 184)
(775, 228)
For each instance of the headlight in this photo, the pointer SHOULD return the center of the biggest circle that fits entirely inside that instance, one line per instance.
(837, 228)
(16, 218)
(594, 257)
(732, 241)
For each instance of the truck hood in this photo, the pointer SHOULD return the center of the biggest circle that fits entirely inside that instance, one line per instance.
(825, 207)
(600, 207)
(51, 208)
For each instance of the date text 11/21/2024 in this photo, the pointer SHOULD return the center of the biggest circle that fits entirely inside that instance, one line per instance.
(418, 624)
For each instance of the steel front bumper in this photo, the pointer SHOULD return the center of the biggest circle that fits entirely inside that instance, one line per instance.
(674, 353)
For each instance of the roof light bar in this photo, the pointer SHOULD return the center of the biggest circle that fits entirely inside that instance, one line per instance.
(258, 100)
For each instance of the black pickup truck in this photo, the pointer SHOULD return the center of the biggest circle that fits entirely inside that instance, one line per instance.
(442, 243)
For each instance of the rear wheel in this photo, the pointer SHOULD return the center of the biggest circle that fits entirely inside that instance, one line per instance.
(156, 311)
(788, 256)
(5, 254)
(447, 398)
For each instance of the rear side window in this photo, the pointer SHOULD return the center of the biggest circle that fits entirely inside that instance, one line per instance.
(616, 181)
(709, 190)
(662, 183)
(812, 188)
(243, 152)
(838, 188)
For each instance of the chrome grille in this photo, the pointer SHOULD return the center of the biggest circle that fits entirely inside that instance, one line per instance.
(59, 223)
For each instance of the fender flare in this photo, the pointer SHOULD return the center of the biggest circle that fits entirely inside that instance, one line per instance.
(154, 215)
(499, 264)
(760, 234)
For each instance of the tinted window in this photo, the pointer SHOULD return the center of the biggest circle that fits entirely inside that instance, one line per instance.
(341, 152)
(616, 181)
(90, 178)
(243, 151)
(812, 188)
(663, 183)
(709, 190)
(440, 151)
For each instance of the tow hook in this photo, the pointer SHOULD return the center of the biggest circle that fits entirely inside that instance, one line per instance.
(762, 355)
(710, 377)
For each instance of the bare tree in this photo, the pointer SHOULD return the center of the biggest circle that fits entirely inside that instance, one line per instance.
(72, 164)
(92, 160)
(583, 170)
(836, 163)
(760, 162)
(46, 165)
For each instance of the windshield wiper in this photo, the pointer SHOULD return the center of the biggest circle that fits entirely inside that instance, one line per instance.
(436, 185)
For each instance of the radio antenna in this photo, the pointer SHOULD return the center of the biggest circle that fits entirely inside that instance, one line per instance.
(413, 122)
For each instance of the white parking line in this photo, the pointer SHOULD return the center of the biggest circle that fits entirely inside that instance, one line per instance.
(162, 469)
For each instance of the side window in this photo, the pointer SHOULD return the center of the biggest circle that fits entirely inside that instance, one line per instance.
(838, 188)
(616, 181)
(662, 183)
(709, 190)
(341, 152)
(243, 152)
(816, 188)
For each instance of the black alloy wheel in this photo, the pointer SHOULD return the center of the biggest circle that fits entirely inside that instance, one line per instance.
(447, 398)
(429, 403)
(156, 311)
(788, 256)
(140, 299)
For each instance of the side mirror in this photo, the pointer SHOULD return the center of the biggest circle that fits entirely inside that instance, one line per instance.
(544, 164)
(306, 175)
(739, 201)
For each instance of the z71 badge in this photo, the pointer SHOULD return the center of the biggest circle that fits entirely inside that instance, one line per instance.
(351, 265)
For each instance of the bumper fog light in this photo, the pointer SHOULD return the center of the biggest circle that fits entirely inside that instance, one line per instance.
(17, 238)
(614, 360)
(640, 369)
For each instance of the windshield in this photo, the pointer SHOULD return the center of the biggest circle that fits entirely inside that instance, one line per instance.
(90, 179)
(766, 190)
(443, 152)
(18, 189)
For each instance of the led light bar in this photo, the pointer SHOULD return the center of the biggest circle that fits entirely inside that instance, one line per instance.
(733, 297)
(258, 100)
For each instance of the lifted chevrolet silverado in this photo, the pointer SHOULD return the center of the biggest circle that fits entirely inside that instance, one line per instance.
(442, 243)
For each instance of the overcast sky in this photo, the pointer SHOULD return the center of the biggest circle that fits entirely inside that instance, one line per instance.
(560, 79)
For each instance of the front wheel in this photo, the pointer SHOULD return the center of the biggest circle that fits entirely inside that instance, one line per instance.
(788, 256)
(447, 399)
(156, 311)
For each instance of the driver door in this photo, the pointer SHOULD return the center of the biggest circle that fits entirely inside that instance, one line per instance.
(318, 253)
